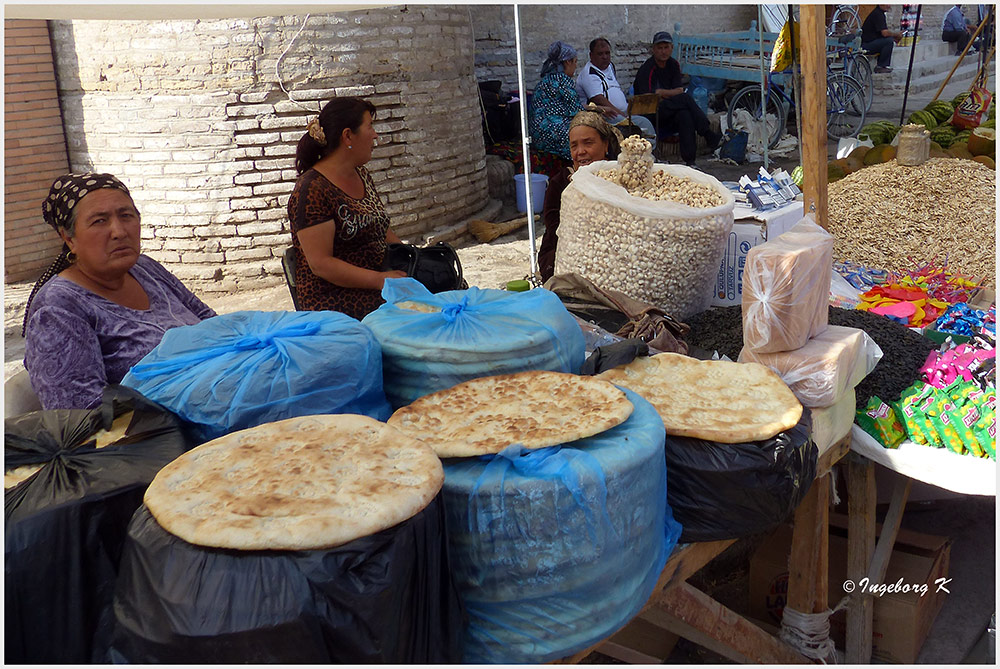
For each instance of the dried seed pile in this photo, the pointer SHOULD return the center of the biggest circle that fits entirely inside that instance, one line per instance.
(670, 261)
(903, 350)
(664, 186)
(886, 214)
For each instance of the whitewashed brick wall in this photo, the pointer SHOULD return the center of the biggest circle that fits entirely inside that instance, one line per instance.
(191, 116)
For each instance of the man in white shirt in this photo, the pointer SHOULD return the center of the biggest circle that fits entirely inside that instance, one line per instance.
(597, 83)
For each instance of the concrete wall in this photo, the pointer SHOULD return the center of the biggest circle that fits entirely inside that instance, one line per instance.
(34, 148)
(190, 114)
(629, 28)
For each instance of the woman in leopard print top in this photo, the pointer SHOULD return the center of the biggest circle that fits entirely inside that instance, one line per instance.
(340, 229)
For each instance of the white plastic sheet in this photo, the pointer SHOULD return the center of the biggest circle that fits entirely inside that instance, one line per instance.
(938, 466)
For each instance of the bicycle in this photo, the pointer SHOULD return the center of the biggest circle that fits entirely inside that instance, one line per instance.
(845, 106)
(845, 20)
(853, 63)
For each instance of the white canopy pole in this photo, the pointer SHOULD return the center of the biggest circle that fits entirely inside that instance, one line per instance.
(525, 140)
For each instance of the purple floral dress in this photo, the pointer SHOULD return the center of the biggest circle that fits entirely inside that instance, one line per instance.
(77, 342)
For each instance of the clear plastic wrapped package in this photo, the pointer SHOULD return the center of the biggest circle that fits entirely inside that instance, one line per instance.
(833, 423)
(823, 370)
(786, 289)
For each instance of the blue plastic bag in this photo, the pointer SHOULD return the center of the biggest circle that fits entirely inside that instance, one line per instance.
(555, 549)
(469, 334)
(248, 368)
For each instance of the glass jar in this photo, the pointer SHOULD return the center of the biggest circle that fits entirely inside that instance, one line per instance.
(914, 145)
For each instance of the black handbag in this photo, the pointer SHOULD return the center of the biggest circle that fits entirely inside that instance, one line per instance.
(437, 266)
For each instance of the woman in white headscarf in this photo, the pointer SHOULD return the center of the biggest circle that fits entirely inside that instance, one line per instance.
(554, 101)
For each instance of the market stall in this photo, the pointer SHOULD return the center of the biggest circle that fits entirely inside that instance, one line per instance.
(452, 479)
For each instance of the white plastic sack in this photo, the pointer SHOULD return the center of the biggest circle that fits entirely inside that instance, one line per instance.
(661, 252)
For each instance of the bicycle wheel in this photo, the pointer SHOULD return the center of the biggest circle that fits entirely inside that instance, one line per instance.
(845, 20)
(772, 121)
(845, 106)
(857, 66)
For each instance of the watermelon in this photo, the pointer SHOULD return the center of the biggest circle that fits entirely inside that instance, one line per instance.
(797, 176)
(923, 118)
(957, 100)
(943, 135)
(941, 110)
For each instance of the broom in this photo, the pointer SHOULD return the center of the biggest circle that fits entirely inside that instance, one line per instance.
(485, 231)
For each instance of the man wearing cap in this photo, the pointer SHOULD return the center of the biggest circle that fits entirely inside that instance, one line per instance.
(597, 82)
(661, 74)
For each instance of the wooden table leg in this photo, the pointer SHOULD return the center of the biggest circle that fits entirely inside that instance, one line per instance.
(861, 500)
(692, 614)
(808, 563)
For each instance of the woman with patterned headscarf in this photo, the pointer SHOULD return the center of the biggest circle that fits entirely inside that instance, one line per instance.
(102, 305)
(591, 138)
(555, 101)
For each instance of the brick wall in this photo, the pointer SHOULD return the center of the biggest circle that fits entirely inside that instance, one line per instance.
(34, 148)
(190, 114)
(629, 28)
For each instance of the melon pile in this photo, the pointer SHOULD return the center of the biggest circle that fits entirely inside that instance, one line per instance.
(947, 140)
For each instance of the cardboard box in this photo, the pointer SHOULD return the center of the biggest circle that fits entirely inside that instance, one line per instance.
(750, 229)
(901, 620)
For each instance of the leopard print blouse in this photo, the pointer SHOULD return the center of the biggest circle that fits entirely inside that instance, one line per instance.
(361, 226)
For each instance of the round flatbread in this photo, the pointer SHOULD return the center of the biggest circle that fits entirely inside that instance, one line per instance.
(298, 484)
(418, 306)
(534, 409)
(715, 400)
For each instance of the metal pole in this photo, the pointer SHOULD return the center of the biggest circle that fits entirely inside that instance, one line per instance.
(909, 68)
(763, 91)
(796, 81)
(525, 140)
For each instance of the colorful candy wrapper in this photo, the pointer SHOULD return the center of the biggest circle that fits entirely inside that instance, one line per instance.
(986, 433)
(963, 418)
(918, 428)
(879, 420)
(940, 418)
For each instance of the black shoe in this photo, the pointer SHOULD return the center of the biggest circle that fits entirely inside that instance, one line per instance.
(879, 69)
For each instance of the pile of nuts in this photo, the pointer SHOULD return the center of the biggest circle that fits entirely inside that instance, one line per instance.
(664, 186)
(894, 217)
(635, 164)
(670, 261)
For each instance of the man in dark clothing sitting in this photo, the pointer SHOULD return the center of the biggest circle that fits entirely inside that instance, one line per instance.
(661, 74)
(877, 38)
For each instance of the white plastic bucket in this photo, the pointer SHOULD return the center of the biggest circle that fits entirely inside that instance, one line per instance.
(538, 184)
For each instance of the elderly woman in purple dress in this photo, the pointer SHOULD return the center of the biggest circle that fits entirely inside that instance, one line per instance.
(102, 305)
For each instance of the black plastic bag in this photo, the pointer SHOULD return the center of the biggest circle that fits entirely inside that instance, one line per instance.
(438, 267)
(65, 526)
(728, 491)
(385, 598)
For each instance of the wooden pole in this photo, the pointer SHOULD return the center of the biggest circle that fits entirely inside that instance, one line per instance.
(813, 140)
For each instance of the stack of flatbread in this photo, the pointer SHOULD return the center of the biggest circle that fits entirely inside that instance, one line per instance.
(534, 409)
(715, 400)
(304, 483)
